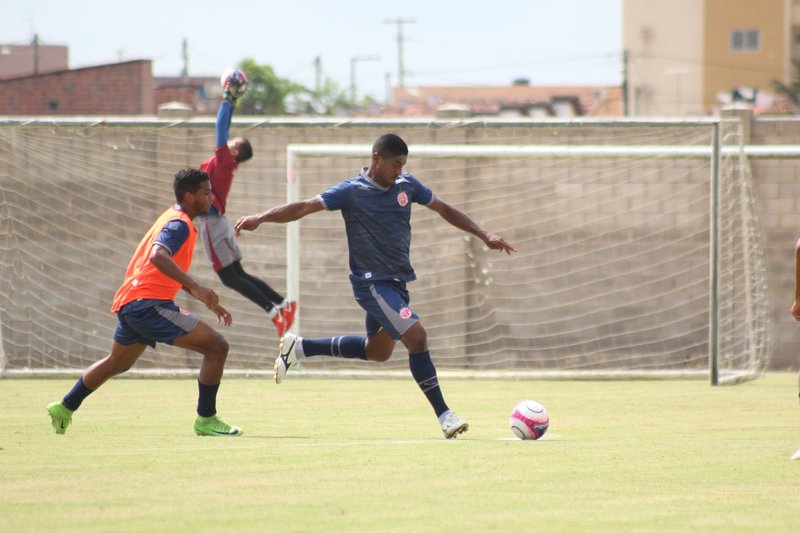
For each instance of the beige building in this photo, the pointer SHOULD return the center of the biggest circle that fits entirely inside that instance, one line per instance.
(691, 57)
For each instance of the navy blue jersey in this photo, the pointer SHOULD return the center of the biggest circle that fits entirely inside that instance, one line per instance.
(378, 224)
(173, 235)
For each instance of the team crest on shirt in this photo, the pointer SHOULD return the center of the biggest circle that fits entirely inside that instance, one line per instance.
(402, 199)
(405, 313)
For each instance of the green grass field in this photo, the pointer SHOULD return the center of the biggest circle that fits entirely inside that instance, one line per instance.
(367, 455)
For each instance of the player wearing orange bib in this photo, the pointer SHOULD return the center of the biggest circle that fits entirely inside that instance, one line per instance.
(147, 313)
(143, 279)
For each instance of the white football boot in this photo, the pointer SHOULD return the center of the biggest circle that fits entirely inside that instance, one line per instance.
(287, 358)
(452, 425)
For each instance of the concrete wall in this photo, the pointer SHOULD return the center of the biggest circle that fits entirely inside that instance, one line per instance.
(776, 183)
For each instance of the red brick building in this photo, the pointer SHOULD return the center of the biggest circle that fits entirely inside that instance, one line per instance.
(201, 93)
(25, 59)
(125, 88)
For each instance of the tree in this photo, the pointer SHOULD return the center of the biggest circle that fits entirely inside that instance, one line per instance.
(330, 99)
(269, 94)
(266, 92)
(791, 91)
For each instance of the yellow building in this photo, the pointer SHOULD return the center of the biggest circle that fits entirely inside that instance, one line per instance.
(691, 57)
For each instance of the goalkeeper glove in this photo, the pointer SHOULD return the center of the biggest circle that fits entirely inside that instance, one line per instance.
(234, 87)
(230, 93)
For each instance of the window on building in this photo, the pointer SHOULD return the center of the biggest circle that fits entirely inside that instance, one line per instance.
(745, 40)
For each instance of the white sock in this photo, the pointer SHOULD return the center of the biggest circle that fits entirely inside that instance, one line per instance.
(298, 349)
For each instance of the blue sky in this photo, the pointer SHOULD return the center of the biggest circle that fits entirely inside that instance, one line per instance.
(467, 42)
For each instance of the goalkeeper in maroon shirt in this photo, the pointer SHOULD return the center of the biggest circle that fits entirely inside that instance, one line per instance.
(215, 230)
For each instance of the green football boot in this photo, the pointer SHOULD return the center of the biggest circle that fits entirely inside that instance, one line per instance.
(212, 426)
(60, 416)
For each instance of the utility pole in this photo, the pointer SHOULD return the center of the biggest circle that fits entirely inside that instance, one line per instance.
(35, 54)
(400, 67)
(318, 74)
(625, 103)
(185, 55)
(353, 61)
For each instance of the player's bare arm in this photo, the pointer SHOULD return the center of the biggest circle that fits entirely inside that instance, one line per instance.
(162, 260)
(462, 221)
(796, 305)
(280, 214)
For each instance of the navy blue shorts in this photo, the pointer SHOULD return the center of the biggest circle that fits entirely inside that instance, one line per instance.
(152, 321)
(386, 304)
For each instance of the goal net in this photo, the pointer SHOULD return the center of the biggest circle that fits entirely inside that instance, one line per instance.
(614, 225)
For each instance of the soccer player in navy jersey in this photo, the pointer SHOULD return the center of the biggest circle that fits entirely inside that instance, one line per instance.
(376, 207)
(215, 230)
(147, 313)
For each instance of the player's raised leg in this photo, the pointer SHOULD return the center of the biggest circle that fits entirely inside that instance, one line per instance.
(292, 349)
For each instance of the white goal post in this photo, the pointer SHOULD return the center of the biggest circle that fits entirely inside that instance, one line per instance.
(754, 328)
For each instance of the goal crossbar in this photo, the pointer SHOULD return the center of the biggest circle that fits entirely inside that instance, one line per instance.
(548, 151)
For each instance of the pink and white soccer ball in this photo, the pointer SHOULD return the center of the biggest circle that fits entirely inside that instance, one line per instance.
(236, 79)
(529, 420)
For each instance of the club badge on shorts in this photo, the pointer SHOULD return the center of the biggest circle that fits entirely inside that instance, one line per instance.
(405, 313)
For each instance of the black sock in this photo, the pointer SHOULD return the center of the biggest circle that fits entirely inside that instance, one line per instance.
(207, 399)
(425, 375)
(75, 397)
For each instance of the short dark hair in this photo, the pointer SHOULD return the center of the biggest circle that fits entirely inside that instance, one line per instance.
(390, 145)
(188, 180)
(245, 150)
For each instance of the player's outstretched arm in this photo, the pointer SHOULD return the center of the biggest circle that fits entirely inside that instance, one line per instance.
(233, 86)
(223, 124)
(280, 214)
(463, 222)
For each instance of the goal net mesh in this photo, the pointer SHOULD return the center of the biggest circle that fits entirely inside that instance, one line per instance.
(612, 273)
